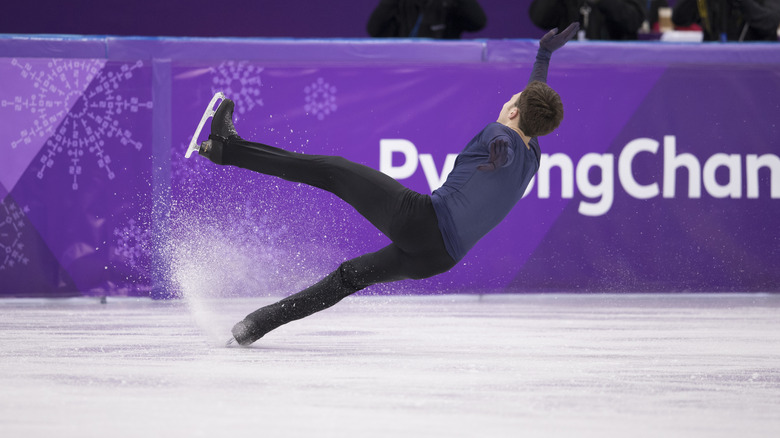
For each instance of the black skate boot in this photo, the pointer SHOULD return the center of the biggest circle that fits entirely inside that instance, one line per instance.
(243, 333)
(325, 293)
(222, 130)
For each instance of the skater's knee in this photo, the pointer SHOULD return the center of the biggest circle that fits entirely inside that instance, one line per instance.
(350, 277)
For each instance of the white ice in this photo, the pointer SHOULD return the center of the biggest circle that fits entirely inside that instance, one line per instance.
(446, 366)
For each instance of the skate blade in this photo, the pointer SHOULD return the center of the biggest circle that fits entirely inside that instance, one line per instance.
(229, 342)
(210, 111)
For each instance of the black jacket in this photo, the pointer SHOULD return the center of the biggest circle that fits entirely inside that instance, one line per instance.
(607, 20)
(445, 19)
(745, 20)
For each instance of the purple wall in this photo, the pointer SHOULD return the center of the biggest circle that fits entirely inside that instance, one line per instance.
(260, 18)
(664, 176)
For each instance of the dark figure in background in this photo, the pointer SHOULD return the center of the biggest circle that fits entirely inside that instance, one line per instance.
(599, 19)
(442, 19)
(730, 20)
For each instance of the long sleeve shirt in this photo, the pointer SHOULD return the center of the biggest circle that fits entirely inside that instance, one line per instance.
(472, 202)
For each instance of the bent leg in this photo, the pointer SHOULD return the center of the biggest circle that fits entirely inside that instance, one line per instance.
(321, 295)
(386, 265)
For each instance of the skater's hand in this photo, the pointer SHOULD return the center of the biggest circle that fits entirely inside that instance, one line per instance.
(553, 40)
(499, 156)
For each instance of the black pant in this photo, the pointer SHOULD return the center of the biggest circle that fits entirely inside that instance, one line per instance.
(406, 217)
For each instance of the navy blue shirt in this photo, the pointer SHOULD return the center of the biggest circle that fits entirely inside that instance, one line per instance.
(472, 202)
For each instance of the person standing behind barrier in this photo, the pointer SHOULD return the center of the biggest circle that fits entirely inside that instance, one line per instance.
(441, 19)
(599, 19)
(730, 20)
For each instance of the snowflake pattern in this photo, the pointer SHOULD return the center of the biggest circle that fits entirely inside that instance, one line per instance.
(132, 243)
(11, 230)
(320, 98)
(92, 118)
(241, 82)
(58, 87)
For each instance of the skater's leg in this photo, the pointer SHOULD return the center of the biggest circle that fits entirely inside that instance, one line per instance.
(321, 295)
(386, 265)
(376, 196)
(418, 253)
(386, 203)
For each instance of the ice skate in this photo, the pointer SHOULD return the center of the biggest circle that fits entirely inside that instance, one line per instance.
(244, 334)
(222, 129)
(210, 111)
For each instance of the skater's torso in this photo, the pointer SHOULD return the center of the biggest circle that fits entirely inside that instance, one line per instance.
(472, 202)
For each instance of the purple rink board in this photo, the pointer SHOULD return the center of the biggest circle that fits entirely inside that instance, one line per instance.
(664, 176)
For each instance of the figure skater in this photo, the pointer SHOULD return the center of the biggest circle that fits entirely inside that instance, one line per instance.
(429, 233)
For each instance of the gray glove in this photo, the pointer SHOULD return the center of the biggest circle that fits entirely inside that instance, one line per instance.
(499, 155)
(553, 40)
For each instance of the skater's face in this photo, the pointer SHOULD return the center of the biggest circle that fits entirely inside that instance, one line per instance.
(509, 110)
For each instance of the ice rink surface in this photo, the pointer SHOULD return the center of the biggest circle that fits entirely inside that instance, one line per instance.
(405, 366)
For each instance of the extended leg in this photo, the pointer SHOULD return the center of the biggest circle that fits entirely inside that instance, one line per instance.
(376, 196)
(386, 265)
(325, 293)
(379, 198)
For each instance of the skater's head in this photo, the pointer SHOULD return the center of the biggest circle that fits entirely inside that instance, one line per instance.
(536, 111)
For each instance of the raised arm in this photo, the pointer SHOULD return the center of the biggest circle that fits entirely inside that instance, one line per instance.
(549, 43)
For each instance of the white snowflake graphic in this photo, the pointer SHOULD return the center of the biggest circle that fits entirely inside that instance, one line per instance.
(11, 229)
(57, 87)
(320, 98)
(92, 118)
(133, 243)
(241, 83)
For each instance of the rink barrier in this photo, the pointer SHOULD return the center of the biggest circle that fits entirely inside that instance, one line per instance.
(664, 176)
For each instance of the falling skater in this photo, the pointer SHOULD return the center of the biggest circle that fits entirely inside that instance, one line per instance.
(429, 233)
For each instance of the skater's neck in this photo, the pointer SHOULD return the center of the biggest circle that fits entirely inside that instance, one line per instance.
(526, 139)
